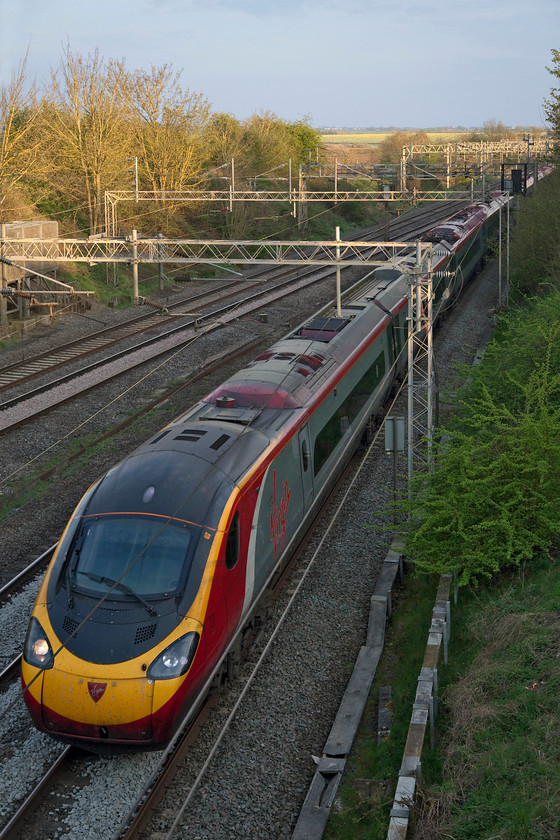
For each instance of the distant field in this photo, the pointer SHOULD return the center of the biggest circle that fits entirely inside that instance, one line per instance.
(376, 139)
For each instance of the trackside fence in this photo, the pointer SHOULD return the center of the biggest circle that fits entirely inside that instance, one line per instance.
(424, 711)
(316, 808)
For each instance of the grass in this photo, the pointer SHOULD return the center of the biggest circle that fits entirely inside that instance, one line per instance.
(113, 284)
(495, 770)
(364, 819)
(499, 748)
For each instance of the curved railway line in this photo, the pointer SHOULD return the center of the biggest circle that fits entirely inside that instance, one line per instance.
(283, 280)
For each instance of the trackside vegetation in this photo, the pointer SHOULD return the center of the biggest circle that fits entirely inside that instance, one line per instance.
(490, 513)
(493, 499)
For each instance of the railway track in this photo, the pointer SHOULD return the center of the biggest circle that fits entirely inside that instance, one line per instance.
(10, 672)
(25, 406)
(62, 775)
(24, 815)
(19, 372)
(19, 410)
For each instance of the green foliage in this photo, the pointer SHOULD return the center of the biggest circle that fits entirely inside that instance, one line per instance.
(524, 337)
(305, 139)
(493, 499)
(552, 105)
(112, 284)
(535, 247)
(499, 752)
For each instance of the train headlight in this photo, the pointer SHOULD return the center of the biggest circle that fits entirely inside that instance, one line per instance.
(175, 660)
(37, 650)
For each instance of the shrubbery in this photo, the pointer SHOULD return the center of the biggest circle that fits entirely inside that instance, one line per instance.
(493, 499)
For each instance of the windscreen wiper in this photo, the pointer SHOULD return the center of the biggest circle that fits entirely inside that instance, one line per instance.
(125, 588)
(72, 563)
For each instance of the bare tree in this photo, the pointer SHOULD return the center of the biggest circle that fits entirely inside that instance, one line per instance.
(167, 122)
(84, 119)
(496, 131)
(390, 149)
(19, 141)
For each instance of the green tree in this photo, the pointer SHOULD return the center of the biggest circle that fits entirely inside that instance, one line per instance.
(167, 124)
(305, 139)
(266, 143)
(223, 139)
(552, 104)
(525, 335)
(493, 499)
(535, 244)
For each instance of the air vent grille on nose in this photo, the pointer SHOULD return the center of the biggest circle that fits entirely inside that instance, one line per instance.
(70, 625)
(219, 442)
(144, 633)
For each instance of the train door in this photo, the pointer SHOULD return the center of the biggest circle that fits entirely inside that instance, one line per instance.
(399, 339)
(305, 453)
(234, 576)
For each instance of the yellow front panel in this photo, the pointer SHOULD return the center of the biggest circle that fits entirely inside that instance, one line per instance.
(95, 700)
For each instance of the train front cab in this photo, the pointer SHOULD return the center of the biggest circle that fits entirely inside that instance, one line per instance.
(108, 656)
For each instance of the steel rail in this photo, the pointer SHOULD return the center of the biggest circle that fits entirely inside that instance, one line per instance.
(41, 364)
(9, 587)
(10, 672)
(94, 342)
(14, 825)
(307, 277)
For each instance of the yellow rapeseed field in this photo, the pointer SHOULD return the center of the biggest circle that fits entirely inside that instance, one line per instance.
(376, 139)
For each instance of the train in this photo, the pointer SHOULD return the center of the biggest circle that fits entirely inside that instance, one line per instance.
(156, 576)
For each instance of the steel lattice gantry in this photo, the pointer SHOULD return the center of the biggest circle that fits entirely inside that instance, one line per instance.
(336, 253)
(155, 250)
(484, 151)
(421, 369)
(469, 159)
(296, 198)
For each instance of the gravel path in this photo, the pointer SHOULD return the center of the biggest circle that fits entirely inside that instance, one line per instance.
(261, 772)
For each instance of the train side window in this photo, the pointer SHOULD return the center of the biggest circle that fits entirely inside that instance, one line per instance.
(232, 544)
(336, 427)
(305, 455)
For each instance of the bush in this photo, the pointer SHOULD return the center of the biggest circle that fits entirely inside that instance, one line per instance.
(493, 499)
(535, 250)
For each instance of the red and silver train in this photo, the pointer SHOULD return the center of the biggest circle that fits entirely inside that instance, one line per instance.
(165, 556)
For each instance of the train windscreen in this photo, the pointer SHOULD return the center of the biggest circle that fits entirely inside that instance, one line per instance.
(130, 555)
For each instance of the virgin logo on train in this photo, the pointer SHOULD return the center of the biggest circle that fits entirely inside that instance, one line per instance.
(96, 691)
(279, 515)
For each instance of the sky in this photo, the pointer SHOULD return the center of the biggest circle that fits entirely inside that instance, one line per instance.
(340, 63)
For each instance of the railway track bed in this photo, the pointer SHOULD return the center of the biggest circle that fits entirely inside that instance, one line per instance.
(219, 303)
